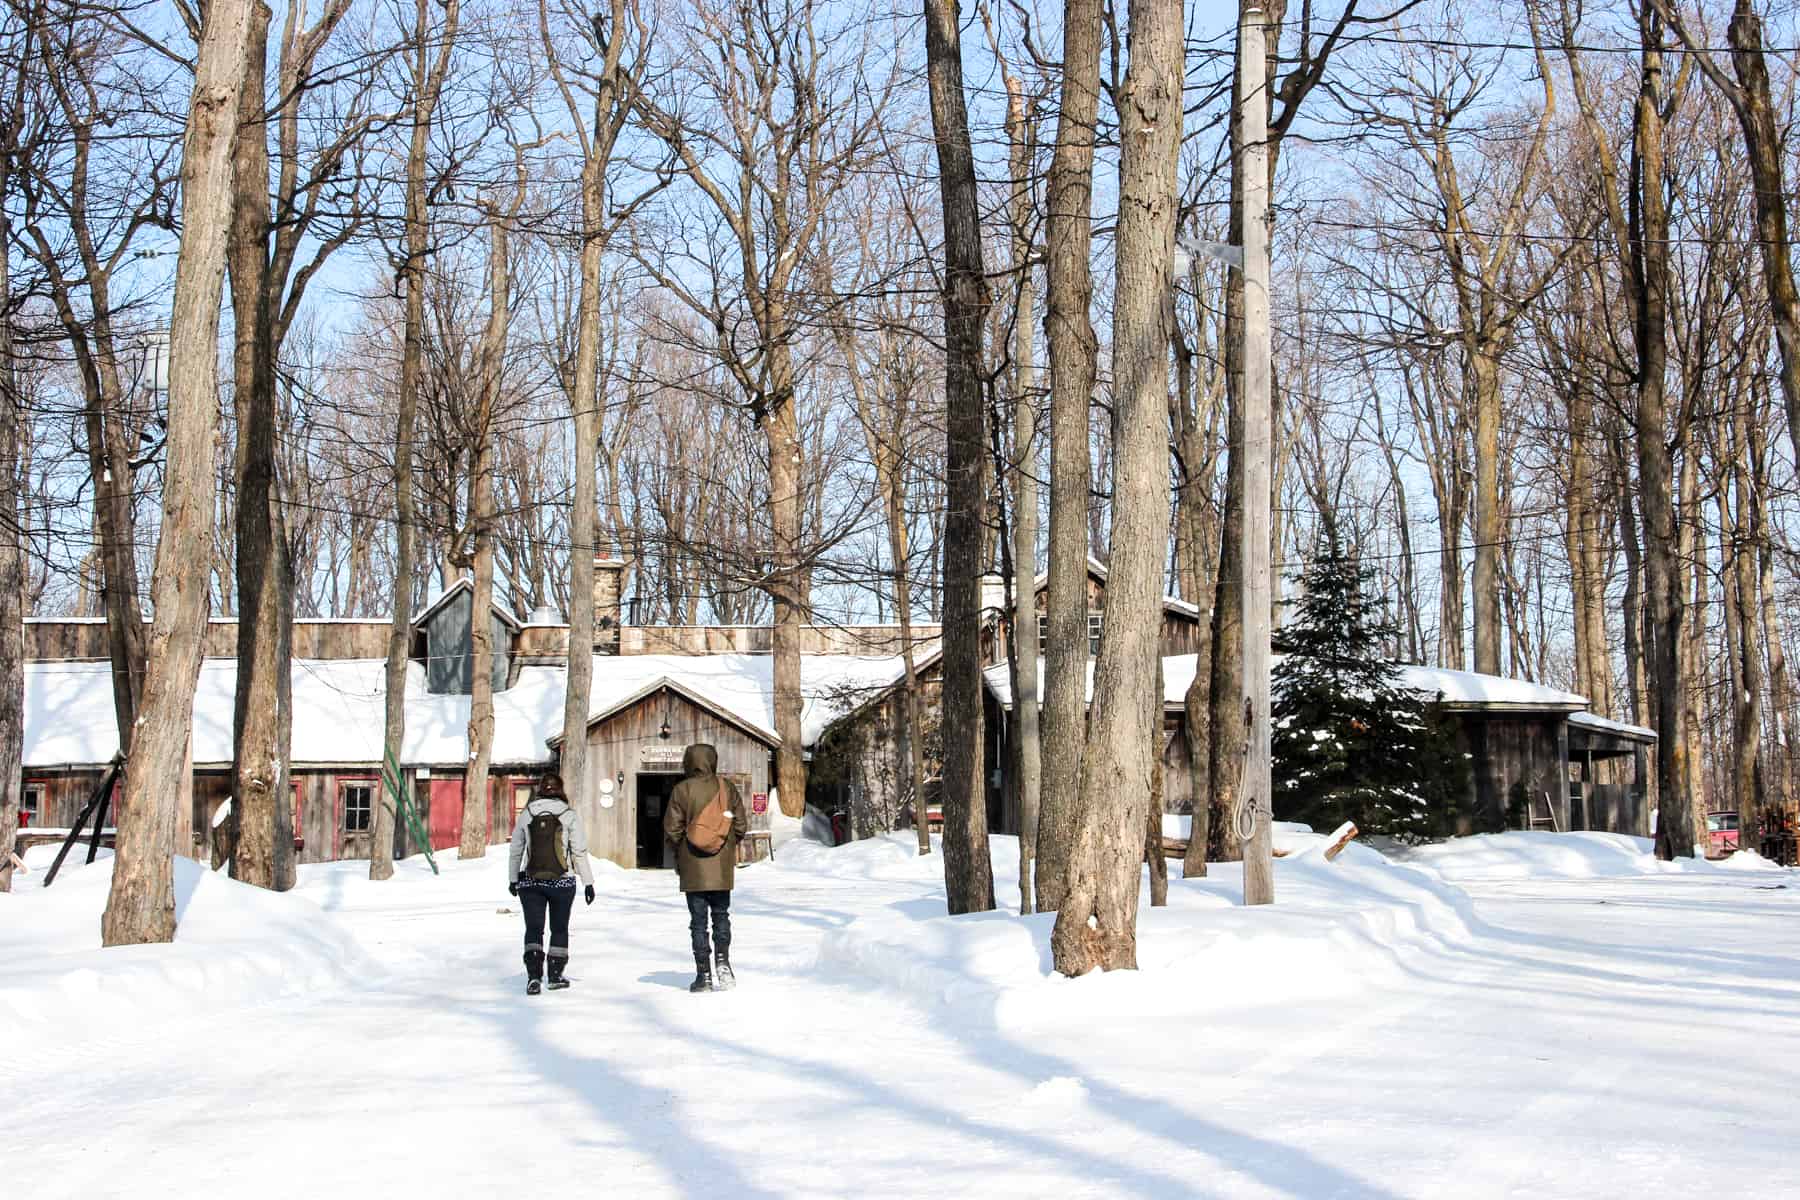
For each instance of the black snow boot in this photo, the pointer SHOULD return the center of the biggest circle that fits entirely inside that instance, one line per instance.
(702, 976)
(557, 965)
(534, 970)
(723, 979)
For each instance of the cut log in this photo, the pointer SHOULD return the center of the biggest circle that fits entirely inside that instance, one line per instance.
(1340, 838)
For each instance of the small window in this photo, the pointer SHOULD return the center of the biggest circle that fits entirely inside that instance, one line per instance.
(1096, 624)
(521, 796)
(31, 804)
(359, 805)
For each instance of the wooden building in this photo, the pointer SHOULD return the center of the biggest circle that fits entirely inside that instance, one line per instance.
(634, 753)
(1536, 755)
(646, 709)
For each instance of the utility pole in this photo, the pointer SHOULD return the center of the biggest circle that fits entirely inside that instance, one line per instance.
(1252, 178)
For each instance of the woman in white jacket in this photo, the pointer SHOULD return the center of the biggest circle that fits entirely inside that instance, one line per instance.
(549, 849)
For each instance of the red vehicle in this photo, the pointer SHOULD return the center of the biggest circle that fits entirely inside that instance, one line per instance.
(1721, 834)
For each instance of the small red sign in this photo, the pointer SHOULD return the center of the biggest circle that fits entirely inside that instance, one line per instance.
(759, 803)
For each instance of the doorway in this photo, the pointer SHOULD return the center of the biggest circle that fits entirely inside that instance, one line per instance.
(652, 798)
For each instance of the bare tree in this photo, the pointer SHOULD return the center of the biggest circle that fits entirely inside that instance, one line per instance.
(268, 283)
(968, 871)
(1073, 352)
(104, 131)
(598, 73)
(1640, 241)
(1096, 923)
(501, 214)
(12, 432)
(789, 119)
(428, 60)
(141, 904)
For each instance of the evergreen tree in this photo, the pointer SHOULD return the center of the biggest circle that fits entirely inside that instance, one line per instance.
(1350, 745)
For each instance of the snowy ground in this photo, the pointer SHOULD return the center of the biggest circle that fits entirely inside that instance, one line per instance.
(1518, 1016)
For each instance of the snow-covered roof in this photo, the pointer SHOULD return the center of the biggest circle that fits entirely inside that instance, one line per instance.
(1598, 724)
(1486, 691)
(339, 705)
(1458, 688)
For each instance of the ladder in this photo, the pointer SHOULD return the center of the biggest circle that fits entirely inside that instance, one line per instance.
(1546, 819)
(393, 782)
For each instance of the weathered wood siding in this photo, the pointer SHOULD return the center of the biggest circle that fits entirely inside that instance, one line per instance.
(629, 743)
(450, 658)
(64, 792)
(1529, 751)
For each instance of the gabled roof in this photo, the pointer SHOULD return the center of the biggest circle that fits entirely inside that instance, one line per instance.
(465, 584)
(665, 683)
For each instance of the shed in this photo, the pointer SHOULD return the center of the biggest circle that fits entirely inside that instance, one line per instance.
(634, 750)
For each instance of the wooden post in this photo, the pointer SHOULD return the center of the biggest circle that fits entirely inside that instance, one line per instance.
(1252, 177)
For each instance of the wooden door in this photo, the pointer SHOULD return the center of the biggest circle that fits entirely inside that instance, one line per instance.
(445, 822)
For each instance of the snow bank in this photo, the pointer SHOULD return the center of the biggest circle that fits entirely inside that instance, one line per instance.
(1339, 928)
(235, 945)
(1538, 855)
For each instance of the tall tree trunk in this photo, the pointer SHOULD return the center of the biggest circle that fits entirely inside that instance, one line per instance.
(1073, 350)
(1484, 393)
(787, 583)
(477, 809)
(1096, 924)
(1693, 580)
(1639, 705)
(911, 707)
(428, 82)
(110, 447)
(584, 401)
(1226, 743)
(262, 842)
(1190, 512)
(1781, 691)
(12, 556)
(1028, 760)
(968, 871)
(1740, 597)
(1153, 833)
(141, 905)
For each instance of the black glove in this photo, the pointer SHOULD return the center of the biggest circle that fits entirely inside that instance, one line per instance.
(513, 887)
(587, 893)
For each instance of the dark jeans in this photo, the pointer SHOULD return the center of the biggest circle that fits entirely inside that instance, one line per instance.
(719, 904)
(559, 902)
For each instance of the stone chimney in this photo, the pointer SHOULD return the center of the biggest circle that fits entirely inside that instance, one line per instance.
(609, 578)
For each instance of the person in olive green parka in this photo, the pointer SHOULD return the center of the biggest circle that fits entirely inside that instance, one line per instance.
(706, 879)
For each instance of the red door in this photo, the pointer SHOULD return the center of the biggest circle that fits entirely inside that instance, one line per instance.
(445, 825)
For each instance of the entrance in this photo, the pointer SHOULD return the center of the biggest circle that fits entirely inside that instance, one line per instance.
(652, 797)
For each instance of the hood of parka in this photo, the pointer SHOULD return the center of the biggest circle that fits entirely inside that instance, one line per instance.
(700, 759)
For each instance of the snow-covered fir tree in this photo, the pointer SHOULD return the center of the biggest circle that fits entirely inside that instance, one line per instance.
(1350, 745)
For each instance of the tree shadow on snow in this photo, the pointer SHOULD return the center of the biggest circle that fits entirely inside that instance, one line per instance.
(1279, 1165)
(644, 1114)
(669, 979)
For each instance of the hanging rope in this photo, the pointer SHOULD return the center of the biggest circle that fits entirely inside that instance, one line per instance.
(1244, 814)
